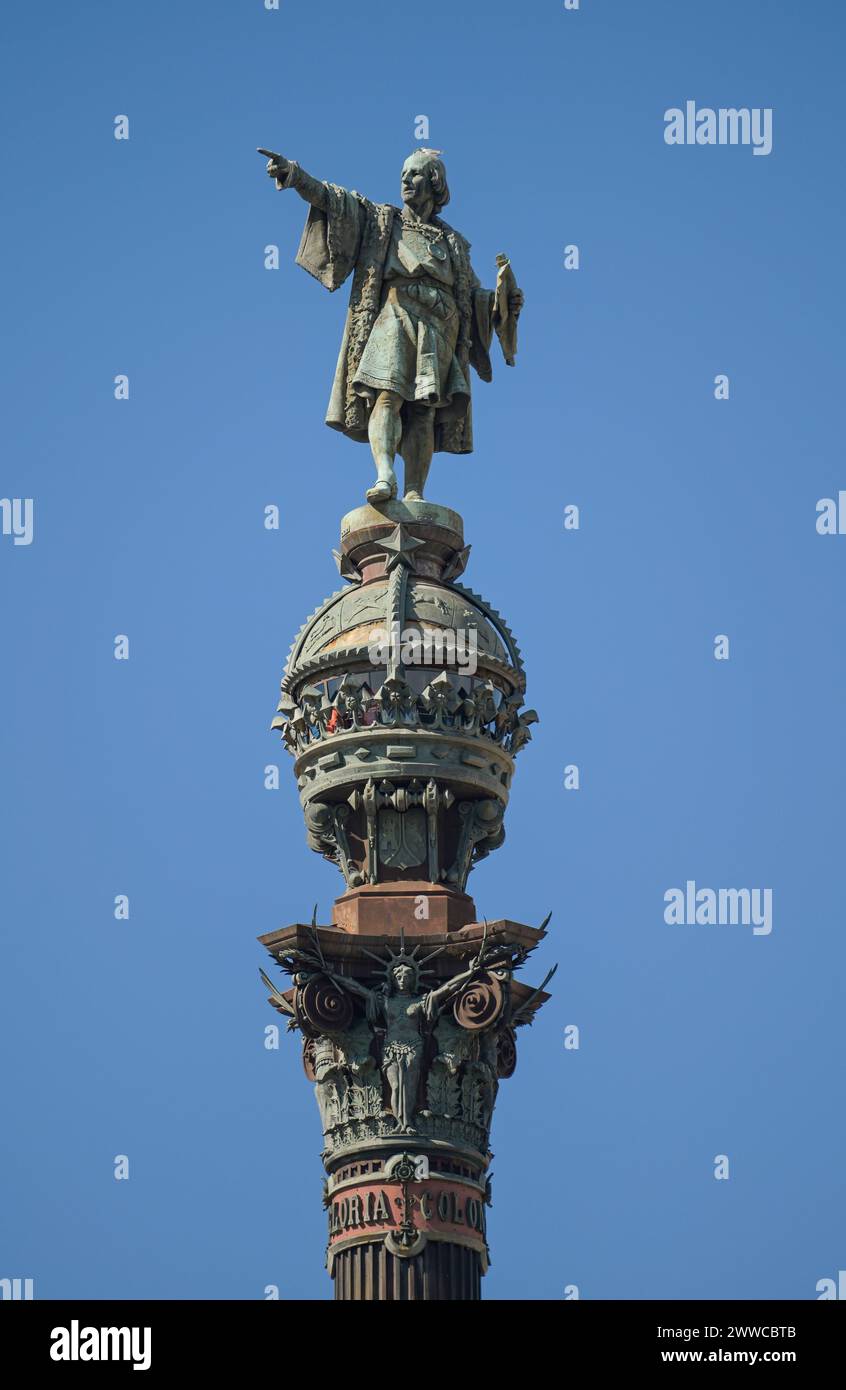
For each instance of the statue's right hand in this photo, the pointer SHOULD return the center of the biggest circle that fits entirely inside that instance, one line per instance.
(277, 166)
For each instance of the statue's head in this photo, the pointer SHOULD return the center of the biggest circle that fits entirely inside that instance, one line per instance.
(404, 977)
(424, 178)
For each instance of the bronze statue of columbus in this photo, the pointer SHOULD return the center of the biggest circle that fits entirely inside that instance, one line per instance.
(418, 317)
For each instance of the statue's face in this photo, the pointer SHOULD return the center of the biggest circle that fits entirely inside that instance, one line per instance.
(416, 188)
(403, 978)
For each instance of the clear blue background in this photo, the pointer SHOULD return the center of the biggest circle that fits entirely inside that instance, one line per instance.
(698, 517)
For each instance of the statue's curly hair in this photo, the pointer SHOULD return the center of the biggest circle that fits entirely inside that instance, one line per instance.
(436, 170)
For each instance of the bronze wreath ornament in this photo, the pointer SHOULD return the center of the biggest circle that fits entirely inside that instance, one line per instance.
(479, 1004)
(322, 1007)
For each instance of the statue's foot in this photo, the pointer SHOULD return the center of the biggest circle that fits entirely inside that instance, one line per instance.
(412, 496)
(384, 490)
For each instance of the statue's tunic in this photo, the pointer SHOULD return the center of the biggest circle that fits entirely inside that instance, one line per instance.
(411, 348)
(416, 322)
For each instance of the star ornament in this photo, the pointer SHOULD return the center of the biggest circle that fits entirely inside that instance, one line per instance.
(399, 548)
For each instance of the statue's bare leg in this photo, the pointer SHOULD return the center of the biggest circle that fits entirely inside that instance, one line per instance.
(417, 446)
(384, 430)
(394, 1077)
(410, 1096)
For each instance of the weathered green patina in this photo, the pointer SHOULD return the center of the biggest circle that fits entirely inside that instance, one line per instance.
(418, 316)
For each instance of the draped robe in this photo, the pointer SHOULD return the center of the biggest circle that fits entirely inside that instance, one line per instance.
(351, 236)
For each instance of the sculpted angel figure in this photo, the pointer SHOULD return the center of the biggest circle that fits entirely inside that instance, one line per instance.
(418, 316)
(405, 1011)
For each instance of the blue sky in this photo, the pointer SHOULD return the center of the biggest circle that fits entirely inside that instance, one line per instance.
(145, 777)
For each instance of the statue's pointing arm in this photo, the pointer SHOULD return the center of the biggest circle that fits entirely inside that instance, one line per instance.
(288, 174)
(332, 238)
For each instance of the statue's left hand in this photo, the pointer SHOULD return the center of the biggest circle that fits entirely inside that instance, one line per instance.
(516, 302)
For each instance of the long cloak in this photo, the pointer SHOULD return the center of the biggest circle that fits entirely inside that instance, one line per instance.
(351, 237)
